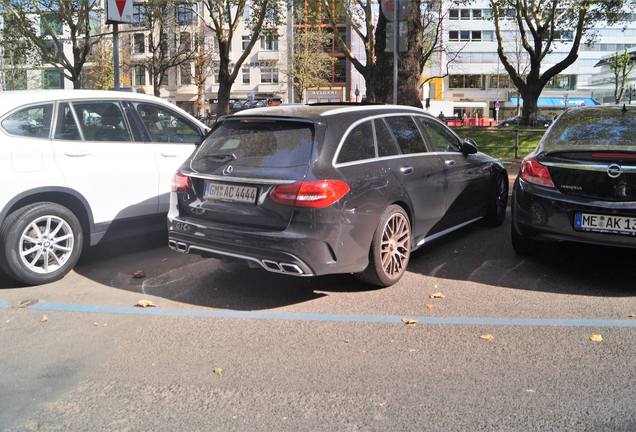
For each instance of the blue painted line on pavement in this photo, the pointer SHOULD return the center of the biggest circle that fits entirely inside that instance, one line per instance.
(4, 304)
(337, 318)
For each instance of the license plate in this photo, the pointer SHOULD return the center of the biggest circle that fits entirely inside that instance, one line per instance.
(229, 192)
(605, 223)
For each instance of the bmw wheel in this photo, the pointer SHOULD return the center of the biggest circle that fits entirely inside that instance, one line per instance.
(390, 249)
(40, 243)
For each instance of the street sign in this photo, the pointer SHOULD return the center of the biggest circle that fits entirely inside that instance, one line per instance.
(404, 7)
(119, 11)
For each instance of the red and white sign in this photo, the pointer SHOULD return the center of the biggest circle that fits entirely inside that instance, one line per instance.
(119, 11)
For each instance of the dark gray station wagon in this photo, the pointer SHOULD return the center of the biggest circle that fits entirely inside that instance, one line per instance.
(314, 190)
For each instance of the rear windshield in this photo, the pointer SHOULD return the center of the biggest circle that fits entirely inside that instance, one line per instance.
(259, 143)
(593, 129)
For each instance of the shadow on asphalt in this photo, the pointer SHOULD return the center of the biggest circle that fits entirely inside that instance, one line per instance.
(476, 254)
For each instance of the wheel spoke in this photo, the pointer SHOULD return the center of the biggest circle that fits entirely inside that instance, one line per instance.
(47, 229)
(30, 251)
(46, 260)
(57, 229)
(61, 248)
(64, 237)
(30, 239)
(35, 228)
(37, 257)
(56, 258)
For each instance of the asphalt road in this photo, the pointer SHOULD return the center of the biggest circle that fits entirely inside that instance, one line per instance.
(326, 354)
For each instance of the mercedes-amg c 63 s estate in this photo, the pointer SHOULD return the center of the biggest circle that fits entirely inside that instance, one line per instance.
(579, 185)
(315, 190)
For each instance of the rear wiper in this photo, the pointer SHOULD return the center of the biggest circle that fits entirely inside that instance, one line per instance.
(224, 157)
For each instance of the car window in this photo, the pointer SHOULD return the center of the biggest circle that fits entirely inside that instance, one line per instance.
(359, 144)
(102, 121)
(164, 126)
(408, 136)
(33, 121)
(439, 138)
(66, 128)
(387, 146)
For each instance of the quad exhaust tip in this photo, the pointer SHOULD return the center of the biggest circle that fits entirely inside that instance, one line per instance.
(178, 246)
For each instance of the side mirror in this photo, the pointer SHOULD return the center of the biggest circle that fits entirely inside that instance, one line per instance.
(469, 146)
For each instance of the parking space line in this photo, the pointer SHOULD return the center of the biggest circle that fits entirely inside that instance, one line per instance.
(336, 318)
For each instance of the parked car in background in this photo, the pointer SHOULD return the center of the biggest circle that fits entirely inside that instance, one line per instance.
(323, 189)
(76, 164)
(580, 183)
(514, 121)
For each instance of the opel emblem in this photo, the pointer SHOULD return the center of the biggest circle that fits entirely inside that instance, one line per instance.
(229, 169)
(614, 170)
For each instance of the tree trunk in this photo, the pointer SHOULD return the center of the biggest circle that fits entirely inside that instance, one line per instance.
(378, 81)
(77, 83)
(409, 66)
(156, 85)
(530, 106)
(225, 87)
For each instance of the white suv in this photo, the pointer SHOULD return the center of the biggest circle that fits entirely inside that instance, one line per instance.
(78, 167)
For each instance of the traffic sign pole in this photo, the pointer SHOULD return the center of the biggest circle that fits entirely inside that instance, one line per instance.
(116, 55)
(396, 45)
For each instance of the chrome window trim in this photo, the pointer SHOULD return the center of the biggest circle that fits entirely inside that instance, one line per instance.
(20, 108)
(259, 181)
(588, 166)
(380, 158)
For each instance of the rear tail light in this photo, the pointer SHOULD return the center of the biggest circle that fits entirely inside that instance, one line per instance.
(535, 173)
(181, 183)
(312, 194)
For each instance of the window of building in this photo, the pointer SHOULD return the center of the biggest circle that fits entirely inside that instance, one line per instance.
(359, 144)
(340, 70)
(51, 47)
(477, 14)
(475, 35)
(33, 121)
(185, 42)
(464, 35)
(139, 15)
(487, 35)
(453, 35)
(185, 70)
(246, 74)
(465, 14)
(139, 43)
(185, 14)
(486, 13)
(50, 25)
(140, 75)
(561, 82)
(52, 79)
(269, 41)
(453, 14)
(269, 74)
(15, 79)
(501, 81)
(245, 41)
(465, 81)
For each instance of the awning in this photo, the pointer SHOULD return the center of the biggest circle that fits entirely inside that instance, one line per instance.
(556, 102)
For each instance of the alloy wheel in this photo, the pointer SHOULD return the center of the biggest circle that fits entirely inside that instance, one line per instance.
(46, 244)
(395, 245)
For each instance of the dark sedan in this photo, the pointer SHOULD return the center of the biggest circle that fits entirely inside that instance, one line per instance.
(580, 183)
(314, 190)
(514, 121)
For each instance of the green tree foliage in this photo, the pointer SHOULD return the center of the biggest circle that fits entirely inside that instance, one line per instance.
(621, 66)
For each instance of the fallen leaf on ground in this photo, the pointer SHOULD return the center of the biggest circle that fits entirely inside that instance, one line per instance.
(409, 321)
(487, 337)
(412, 350)
(218, 371)
(437, 295)
(596, 338)
(44, 318)
(631, 316)
(531, 391)
(346, 341)
(139, 274)
(27, 302)
(145, 304)
(429, 306)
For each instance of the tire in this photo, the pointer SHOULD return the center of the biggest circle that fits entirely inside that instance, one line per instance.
(397, 249)
(31, 256)
(497, 202)
(523, 245)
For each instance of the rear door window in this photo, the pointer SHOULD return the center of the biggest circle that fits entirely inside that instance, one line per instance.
(102, 121)
(387, 145)
(256, 142)
(165, 126)
(66, 128)
(359, 144)
(406, 133)
(439, 138)
(32, 122)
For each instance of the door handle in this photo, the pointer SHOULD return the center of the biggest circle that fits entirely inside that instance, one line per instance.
(450, 162)
(168, 155)
(74, 155)
(406, 170)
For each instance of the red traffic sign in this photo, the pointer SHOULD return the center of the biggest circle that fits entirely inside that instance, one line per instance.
(119, 11)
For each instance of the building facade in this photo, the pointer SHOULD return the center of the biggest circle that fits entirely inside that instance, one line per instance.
(477, 80)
